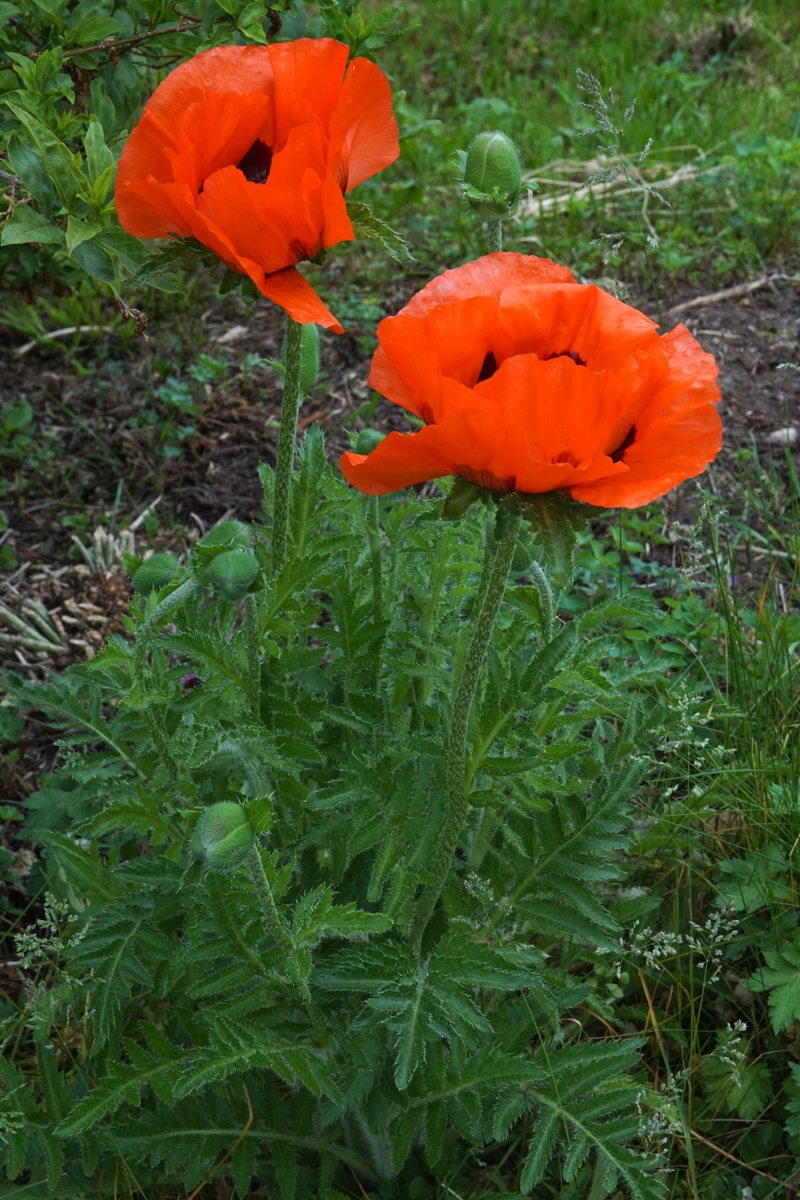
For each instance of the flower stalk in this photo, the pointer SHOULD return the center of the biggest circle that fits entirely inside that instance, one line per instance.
(545, 599)
(253, 643)
(491, 591)
(495, 236)
(290, 409)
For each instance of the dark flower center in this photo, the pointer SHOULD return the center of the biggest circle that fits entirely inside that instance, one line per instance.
(625, 444)
(489, 367)
(256, 163)
(573, 354)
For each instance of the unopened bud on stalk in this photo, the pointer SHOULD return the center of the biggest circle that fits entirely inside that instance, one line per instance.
(155, 572)
(367, 440)
(231, 573)
(492, 177)
(223, 836)
(232, 535)
(309, 357)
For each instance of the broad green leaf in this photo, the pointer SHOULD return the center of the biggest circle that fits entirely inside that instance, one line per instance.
(27, 164)
(98, 156)
(93, 30)
(27, 225)
(61, 165)
(95, 261)
(79, 232)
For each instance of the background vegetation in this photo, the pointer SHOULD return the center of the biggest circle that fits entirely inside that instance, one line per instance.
(708, 966)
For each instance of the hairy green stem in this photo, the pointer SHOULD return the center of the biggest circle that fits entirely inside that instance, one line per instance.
(426, 625)
(273, 923)
(491, 591)
(253, 643)
(292, 365)
(374, 536)
(495, 236)
(151, 716)
(545, 599)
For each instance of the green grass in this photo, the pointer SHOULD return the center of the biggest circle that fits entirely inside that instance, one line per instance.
(723, 98)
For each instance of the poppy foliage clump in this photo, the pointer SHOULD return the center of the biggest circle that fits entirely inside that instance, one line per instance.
(528, 381)
(250, 150)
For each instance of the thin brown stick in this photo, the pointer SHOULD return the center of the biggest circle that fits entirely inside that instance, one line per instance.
(741, 289)
(228, 1153)
(114, 46)
(792, 1187)
(60, 333)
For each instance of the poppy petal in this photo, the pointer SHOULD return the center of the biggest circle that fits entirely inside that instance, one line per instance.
(308, 77)
(487, 276)
(549, 413)
(364, 133)
(677, 433)
(257, 218)
(405, 458)
(573, 318)
(418, 351)
(294, 293)
(233, 69)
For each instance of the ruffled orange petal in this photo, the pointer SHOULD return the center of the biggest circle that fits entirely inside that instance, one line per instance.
(295, 294)
(308, 75)
(169, 208)
(235, 69)
(405, 458)
(487, 276)
(550, 416)
(677, 433)
(417, 352)
(570, 318)
(338, 226)
(216, 133)
(364, 133)
(276, 223)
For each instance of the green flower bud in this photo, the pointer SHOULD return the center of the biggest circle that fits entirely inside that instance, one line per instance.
(223, 836)
(232, 535)
(367, 440)
(157, 571)
(492, 178)
(309, 358)
(231, 573)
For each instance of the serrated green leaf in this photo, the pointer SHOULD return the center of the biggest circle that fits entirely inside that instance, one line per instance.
(366, 225)
(781, 978)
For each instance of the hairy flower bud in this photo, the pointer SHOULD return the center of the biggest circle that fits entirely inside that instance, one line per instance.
(155, 572)
(309, 357)
(367, 440)
(232, 535)
(223, 836)
(231, 573)
(492, 178)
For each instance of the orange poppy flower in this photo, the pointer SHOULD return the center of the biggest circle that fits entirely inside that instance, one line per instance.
(250, 149)
(528, 381)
